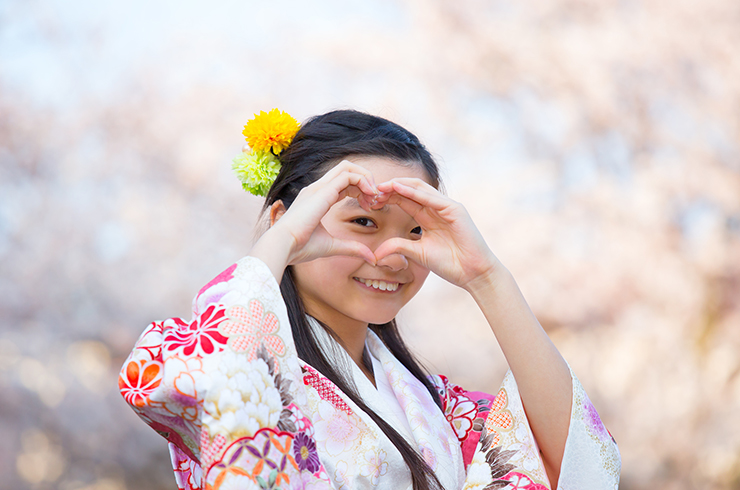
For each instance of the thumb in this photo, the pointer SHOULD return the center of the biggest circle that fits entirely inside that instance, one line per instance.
(411, 249)
(351, 248)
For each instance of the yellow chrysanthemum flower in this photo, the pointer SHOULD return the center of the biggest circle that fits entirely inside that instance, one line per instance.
(256, 170)
(270, 131)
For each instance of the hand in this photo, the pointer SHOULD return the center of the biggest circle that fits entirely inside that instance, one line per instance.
(450, 245)
(302, 222)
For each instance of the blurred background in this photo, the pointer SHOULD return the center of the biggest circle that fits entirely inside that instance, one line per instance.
(595, 142)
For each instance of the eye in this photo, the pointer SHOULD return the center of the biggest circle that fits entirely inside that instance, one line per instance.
(364, 222)
(416, 231)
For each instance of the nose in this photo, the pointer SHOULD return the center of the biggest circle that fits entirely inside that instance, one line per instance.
(395, 262)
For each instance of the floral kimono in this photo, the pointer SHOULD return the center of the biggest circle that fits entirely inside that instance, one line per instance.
(240, 409)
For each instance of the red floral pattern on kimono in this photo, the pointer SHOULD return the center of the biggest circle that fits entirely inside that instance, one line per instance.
(240, 410)
(200, 337)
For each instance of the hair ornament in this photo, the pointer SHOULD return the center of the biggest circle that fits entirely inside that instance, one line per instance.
(267, 134)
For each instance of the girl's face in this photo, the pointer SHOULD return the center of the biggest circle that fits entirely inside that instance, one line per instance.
(346, 292)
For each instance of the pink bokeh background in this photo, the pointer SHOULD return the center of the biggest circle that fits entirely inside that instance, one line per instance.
(595, 143)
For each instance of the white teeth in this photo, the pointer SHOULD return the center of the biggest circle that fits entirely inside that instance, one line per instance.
(382, 285)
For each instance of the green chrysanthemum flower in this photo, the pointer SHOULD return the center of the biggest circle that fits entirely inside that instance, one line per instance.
(256, 170)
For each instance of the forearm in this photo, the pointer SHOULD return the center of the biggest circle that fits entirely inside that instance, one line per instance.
(541, 373)
(274, 250)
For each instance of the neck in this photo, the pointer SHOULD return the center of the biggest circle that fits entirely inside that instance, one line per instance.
(355, 347)
(351, 335)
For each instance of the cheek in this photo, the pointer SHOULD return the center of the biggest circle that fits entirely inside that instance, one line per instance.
(326, 272)
(420, 275)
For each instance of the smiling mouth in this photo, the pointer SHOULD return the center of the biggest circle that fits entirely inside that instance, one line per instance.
(379, 285)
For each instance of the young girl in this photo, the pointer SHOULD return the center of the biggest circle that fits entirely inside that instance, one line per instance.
(292, 373)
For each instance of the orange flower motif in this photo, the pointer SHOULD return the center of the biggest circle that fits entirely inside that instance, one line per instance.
(138, 380)
(249, 329)
(270, 131)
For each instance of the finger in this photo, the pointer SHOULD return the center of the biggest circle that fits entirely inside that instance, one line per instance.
(366, 201)
(377, 202)
(351, 248)
(411, 249)
(426, 217)
(409, 181)
(411, 207)
(390, 186)
(337, 178)
(358, 185)
(346, 179)
(421, 195)
(348, 166)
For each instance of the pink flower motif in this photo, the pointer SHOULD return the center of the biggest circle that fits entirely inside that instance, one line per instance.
(520, 481)
(212, 292)
(247, 330)
(593, 421)
(200, 337)
(460, 412)
(375, 466)
(151, 340)
(428, 454)
(225, 276)
(188, 473)
(210, 450)
(336, 432)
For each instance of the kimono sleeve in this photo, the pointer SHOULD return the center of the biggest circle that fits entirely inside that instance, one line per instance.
(225, 389)
(500, 451)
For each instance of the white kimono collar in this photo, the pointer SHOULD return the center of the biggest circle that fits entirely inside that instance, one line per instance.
(425, 426)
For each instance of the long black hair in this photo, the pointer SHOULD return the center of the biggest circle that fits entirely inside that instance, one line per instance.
(322, 142)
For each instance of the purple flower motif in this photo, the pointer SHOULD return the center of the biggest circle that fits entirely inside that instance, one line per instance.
(595, 424)
(304, 449)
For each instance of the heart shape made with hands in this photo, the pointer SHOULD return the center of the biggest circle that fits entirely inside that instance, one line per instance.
(396, 194)
(451, 246)
(321, 242)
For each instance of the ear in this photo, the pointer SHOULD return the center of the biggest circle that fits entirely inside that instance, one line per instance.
(277, 210)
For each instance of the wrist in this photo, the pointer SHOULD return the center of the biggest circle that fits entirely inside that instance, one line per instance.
(489, 282)
(282, 241)
(274, 249)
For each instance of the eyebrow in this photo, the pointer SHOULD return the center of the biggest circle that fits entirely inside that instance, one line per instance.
(354, 203)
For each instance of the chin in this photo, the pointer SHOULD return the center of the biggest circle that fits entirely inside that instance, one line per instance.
(382, 321)
(379, 318)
